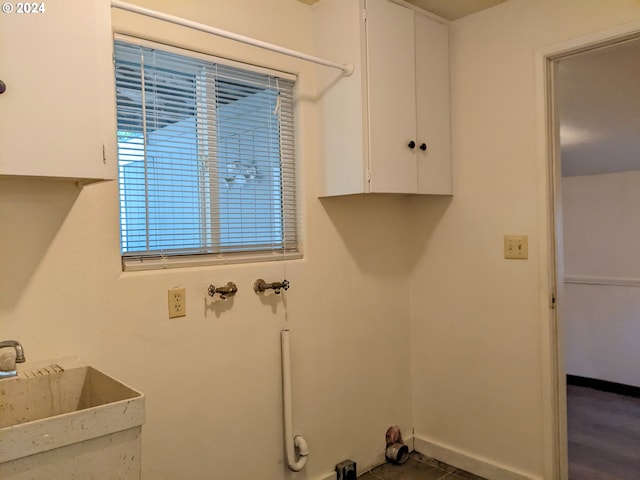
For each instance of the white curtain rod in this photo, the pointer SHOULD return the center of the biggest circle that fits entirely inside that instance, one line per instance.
(347, 68)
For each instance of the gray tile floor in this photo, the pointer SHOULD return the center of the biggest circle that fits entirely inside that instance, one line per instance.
(418, 467)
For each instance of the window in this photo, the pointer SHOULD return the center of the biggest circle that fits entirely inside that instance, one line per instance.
(206, 159)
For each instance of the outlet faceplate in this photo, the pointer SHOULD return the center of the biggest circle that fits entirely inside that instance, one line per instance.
(177, 303)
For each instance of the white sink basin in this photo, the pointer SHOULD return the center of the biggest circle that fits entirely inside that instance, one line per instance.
(52, 405)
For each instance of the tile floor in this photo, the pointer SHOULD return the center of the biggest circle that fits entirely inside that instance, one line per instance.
(418, 467)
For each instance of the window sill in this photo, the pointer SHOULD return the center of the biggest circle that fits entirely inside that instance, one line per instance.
(136, 264)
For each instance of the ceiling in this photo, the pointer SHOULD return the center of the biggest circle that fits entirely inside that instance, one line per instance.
(598, 106)
(449, 9)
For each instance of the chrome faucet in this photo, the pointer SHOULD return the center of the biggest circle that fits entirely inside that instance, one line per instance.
(12, 371)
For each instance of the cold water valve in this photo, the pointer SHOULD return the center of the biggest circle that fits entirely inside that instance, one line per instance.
(260, 286)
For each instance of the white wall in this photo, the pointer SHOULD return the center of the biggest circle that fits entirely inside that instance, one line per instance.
(212, 379)
(477, 320)
(601, 231)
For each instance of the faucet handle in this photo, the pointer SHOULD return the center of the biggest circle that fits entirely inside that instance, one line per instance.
(229, 290)
(17, 347)
(7, 362)
(261, 286)
(284, 286)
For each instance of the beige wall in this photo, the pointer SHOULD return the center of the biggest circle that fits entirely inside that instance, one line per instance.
(601, 229)
(477, 320)
(212, 379)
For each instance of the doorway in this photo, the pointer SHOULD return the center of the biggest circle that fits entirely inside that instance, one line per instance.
(593, 118)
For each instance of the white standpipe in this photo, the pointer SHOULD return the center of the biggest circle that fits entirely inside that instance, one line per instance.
(292, 444)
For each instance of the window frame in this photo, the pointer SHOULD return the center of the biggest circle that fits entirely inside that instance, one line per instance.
(133, 262)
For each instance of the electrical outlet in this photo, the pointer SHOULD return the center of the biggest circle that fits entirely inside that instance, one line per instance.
(346, 470)
(177, 303)
(516, 247)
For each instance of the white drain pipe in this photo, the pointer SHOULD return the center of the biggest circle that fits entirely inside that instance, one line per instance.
(298, 443)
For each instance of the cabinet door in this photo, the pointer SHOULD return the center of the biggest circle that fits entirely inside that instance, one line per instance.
(57, 116)
(432, 100)
(391, 97)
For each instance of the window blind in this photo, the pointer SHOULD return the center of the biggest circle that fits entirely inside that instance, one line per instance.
(205, 154)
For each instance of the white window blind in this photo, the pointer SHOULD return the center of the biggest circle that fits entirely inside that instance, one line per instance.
(206, 156)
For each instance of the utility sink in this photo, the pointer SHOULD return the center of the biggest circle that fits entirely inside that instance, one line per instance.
(61, 414)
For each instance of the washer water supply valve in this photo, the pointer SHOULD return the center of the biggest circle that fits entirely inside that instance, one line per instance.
(260, 286)
(229, 290)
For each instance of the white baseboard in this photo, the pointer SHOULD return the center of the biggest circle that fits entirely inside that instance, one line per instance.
(410, 441)
(466, 461)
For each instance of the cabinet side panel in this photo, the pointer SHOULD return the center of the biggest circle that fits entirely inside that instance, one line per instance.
(433, 106)
(391, 85)
(338, 37)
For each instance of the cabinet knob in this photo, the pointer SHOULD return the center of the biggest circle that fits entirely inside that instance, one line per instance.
(411, 145)
(3, 87)
(423, 147)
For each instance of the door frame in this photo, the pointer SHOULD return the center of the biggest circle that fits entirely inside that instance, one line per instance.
(550, 241)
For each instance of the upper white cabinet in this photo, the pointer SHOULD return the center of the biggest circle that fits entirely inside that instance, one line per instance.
(385, 128)
(57, 114)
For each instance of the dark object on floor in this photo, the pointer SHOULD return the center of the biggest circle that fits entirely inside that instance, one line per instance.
(346, 470)
(396, 451)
